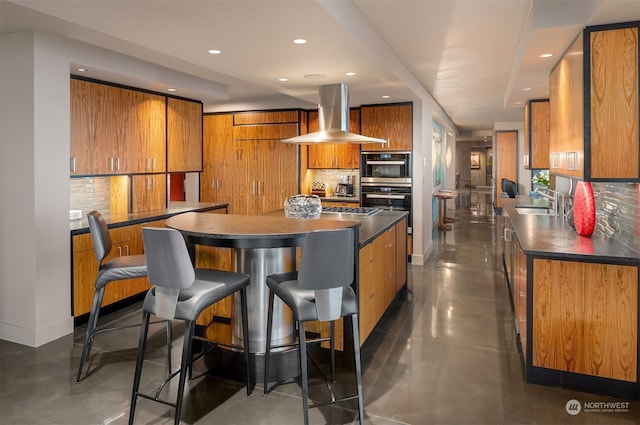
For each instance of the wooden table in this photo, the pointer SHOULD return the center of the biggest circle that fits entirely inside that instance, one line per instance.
(442, 196)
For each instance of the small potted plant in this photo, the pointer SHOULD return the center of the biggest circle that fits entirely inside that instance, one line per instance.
(540, 181)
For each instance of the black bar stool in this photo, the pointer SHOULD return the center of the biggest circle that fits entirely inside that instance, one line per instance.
(320, 290)
(182, 292)
(118, 268)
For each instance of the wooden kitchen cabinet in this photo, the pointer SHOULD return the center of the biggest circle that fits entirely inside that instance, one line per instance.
(184, 135)
(393, 123)
(123, 130)
(149, 192)
(126, 240)
(216, 179)
(537, 134)
(383, 264)
(506, 160)
(265, 169)
(584, 318)
(328, 155)
(604, 145)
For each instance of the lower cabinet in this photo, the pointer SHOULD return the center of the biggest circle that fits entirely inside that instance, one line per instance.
(126, 240)
(383, 272)
(585, 319)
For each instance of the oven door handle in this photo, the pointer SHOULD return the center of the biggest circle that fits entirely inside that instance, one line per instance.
(385, 162)
(372, 196)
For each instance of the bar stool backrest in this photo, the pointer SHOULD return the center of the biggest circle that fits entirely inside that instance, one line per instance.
(326, 267)
(100, 236)
(169, 267)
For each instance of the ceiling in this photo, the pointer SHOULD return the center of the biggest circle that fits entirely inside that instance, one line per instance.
(478, 59)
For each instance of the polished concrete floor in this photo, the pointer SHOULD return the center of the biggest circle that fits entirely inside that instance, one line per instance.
(444, 353)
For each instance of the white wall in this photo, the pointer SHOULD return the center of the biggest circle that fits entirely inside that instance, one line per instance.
(36, 305)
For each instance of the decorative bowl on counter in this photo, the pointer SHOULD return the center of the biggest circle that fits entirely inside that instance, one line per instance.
(302, 206)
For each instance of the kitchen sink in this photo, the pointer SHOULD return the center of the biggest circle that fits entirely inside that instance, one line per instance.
(530, 210)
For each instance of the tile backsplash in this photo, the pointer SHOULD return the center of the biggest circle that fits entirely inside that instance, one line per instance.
(90, 193)
(618, 211)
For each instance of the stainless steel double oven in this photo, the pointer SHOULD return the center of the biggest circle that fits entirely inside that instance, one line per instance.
(385, 181)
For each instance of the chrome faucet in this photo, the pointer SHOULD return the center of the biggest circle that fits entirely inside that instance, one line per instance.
(557, 200)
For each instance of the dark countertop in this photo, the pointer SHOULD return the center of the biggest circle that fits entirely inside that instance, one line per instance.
(78, 227)
(551, 236)
(370, 226)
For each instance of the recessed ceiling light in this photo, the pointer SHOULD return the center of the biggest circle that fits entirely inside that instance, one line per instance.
(350, 74)
(300, 41)
(171, 89)
(314, 76)
(386, 96)
(215, 51)
(283, 79)
(546, 55)
(527, 89)
(83, 70)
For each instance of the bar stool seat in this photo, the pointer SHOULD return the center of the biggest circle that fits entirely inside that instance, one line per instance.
(182, 292)
(119, 268)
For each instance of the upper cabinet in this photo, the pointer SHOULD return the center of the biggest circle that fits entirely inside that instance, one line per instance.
(536, 135)
(594, 120)
(116, 130)
(390, 122)
(184, 135)
(506, 160)
(328, 155)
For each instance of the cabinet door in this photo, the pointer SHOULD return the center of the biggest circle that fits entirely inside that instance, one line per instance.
(506, 160)
(390, 122)
(146, 138)
(388, 281)
(537, 134)
(85, 270)
(566, 113)
(367, 294)
(149, 192)
(217, 178)
(613, 143)
(184, 135)
(279, 174)
(247, 174)
(83, 127)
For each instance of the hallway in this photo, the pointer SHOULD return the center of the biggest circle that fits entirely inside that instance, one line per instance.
(444, 353)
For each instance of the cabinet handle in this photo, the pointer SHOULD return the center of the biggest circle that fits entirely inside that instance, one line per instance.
(110, 164)
(118, 164)
(119, 251)
(253, 187)
(337, 162)
(217, 184)
(72, 164)
(127, 246)
(213, 184)
(259, 188)
(148, 164)
(154, 164)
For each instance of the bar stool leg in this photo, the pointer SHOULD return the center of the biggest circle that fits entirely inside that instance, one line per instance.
(92, 323)
(356, 354)
(245, 337)
(185, 365)
(332, 344)
(142, 344)
(303, 373)
(267, 353)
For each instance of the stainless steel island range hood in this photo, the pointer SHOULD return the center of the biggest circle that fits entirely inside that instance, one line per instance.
(333, 120)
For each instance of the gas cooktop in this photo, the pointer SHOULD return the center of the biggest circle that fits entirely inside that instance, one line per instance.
(351, 210)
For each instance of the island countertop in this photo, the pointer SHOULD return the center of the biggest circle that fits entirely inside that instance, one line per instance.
(81, 226)
(552, 236)
(371, 226)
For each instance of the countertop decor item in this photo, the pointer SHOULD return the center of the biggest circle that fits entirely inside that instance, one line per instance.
(584, 209)
(319, 188)
(302, 206)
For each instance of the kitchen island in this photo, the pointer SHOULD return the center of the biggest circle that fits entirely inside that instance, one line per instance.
(575, 302)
